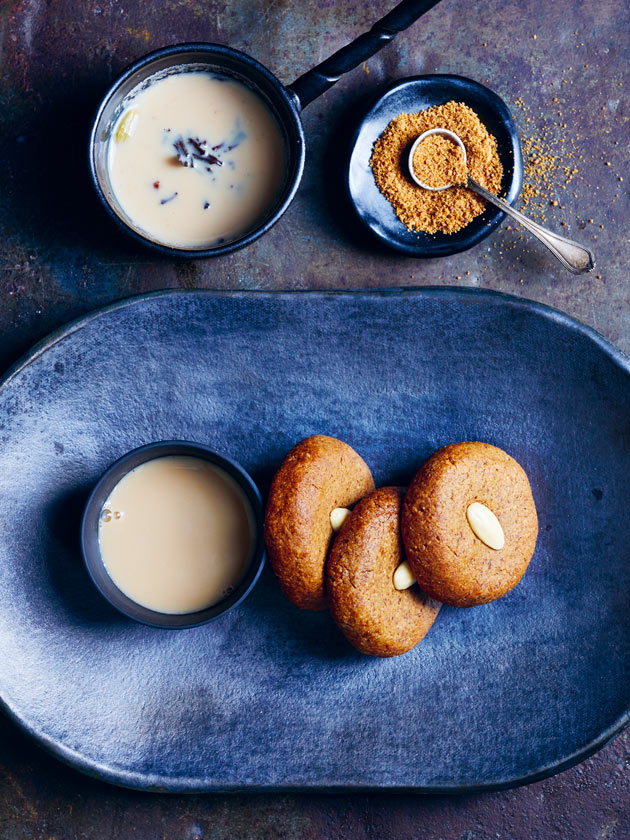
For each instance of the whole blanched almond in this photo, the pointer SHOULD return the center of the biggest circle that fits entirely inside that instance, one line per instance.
(485, 525)
(403, 576)
(337, 517)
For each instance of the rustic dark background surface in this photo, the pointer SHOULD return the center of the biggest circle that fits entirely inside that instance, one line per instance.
(561, 66)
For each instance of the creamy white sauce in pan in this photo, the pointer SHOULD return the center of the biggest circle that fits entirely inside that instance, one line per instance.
(196, 160)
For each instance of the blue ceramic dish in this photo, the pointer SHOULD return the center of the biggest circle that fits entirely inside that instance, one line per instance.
(417, 94)
(270, 697)
(90, 544)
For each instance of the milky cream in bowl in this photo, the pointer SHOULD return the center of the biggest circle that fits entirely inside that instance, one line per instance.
(172, 536)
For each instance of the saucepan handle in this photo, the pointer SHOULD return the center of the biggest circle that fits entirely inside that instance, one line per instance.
(316, 81)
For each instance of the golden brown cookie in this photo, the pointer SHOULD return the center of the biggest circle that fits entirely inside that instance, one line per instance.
(374, 616)
(448, 560)
(318, 475)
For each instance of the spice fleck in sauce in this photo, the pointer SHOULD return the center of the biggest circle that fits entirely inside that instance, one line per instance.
(196, 159)
(176, 534)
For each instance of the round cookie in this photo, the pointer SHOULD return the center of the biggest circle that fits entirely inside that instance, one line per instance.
(374, 616)
(448, 560)
(319, 474)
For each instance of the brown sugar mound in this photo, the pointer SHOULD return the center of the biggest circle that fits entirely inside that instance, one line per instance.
(439, 162)
(432, 212)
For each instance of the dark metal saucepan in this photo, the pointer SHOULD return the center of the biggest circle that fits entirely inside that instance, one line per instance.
(285, 102)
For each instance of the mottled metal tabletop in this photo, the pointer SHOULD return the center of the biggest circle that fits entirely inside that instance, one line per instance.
(563, 69)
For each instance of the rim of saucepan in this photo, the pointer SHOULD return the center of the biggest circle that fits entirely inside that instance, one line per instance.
(296, 152)
(89, 534)
(463, 239)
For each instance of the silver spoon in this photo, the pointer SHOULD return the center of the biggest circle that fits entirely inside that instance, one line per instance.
(575, 257)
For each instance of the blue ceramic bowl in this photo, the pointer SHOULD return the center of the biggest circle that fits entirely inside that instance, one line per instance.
(416, 94)
(90, 545)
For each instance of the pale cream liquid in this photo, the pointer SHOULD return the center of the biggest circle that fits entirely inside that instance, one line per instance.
(176, 534)
(208, 207)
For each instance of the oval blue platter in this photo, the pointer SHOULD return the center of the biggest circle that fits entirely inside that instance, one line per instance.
(268, 697)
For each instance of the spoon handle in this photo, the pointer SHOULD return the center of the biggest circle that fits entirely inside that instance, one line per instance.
(317, 80)
(575, 257)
